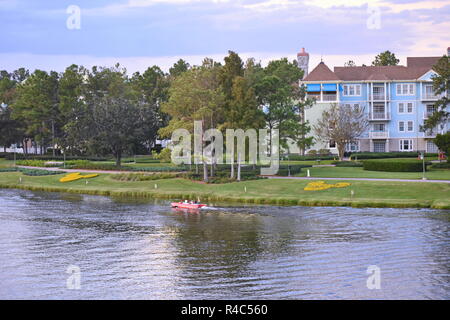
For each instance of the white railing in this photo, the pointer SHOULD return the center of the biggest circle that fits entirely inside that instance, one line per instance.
(431, 96)
(379, 116)
(329, 97)
(379, 134)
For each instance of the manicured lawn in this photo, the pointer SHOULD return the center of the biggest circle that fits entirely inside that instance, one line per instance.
(289, 192)
(358, 172)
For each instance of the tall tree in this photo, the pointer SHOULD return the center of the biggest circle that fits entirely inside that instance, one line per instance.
(385, 58)
(342, 124)
(441, 85)
(178, 68)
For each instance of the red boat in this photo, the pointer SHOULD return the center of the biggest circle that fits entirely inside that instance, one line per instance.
(187, 205)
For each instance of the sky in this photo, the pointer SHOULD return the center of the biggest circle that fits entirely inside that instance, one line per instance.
(52, 35)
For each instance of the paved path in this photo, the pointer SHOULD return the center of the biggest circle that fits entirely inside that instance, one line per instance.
(360, 179)
(78, 170)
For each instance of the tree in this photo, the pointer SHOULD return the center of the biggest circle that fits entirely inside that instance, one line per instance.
(117, 122)
(342, 124)
(178, 68)
(386, 58)
(195, 95)
(442, 141)
(441, 85)
(36, 106)
(350, 63)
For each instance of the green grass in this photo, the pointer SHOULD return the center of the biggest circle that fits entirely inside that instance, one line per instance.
(279, 192)
(335, 172)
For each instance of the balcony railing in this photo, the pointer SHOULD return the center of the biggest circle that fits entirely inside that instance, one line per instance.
(378, 96)
(431, 96)
(325, 97)
(329, 97)
(378, 134)
(379, 116)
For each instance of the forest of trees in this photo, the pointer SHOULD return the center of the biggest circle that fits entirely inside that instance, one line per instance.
(105, 111)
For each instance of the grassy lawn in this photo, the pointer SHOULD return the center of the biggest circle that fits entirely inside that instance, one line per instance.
(358, 172)
(280, 192)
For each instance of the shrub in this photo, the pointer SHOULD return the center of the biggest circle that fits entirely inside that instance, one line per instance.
(394, 166)
(312, 152)
(143, 177)
(11, 169)
(348, 164)
(164, 155)
(21, 156)
(441, 165)
(384, 155)
(324, 152)
(38, 172)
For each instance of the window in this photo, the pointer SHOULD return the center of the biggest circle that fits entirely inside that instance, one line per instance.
(406, 145)
(410, 126)
(352, 146)
(405, 89)
(405, 107)
(352, 89)
(401, 126)
(379, 127)
(431, 147)
(332, 144)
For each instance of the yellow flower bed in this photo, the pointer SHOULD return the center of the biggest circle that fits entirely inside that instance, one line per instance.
(321, 185)
(76, 176)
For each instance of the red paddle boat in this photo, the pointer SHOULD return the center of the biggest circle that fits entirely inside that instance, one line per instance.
(187, 205)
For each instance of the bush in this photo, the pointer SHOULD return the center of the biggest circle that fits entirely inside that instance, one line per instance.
(441, 165)
(394, 166)
(10, 169)
(312, 152)
(165, 155)
(21, 156)
(347, 164)
(37, 172)
(324, 152)
(385, 155)
(143, 177)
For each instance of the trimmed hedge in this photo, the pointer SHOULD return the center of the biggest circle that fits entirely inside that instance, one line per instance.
(442, 165)
(351, 164)
(384, 155)
(394, 166)
(21, 156)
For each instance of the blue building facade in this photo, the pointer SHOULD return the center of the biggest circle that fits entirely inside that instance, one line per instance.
(396, 99)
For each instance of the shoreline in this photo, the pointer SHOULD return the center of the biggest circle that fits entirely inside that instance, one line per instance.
(210, 196)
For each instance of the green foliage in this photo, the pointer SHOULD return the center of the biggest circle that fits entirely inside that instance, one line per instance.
(143, 177)
(164, 156)
(37, 172)
(441, 165)
(386, 58)
(394, 166)
(347, 164)
(442, 141)
(385, 155)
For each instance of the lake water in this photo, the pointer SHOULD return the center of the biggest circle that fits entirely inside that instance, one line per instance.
(129, 249)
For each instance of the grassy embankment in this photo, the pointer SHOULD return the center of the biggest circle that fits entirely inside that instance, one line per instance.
(278, 192)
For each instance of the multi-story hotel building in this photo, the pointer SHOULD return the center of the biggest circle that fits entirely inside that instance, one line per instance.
(397, 100)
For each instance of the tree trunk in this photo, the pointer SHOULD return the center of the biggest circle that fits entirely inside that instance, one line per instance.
(118, 158)
(239, 168)
(341, 150)
(53, 137)
(205, 171)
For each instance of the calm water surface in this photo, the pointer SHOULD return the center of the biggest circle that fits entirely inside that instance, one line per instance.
(144, 250)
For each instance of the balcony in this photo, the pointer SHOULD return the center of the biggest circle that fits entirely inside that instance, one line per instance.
(326, 97)
(377, 116)
(427, 96)
(379, 135)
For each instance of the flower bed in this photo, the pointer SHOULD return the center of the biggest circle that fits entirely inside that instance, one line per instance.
(76, 176)
(322, 185)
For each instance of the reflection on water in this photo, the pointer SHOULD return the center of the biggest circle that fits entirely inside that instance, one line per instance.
(129, 249)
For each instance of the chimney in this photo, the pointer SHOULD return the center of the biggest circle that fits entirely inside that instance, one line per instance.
(448, 52)
(303, 61)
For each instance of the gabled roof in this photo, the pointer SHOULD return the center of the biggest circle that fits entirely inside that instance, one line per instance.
(421, 62)
(379, 73)
(321, 73)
